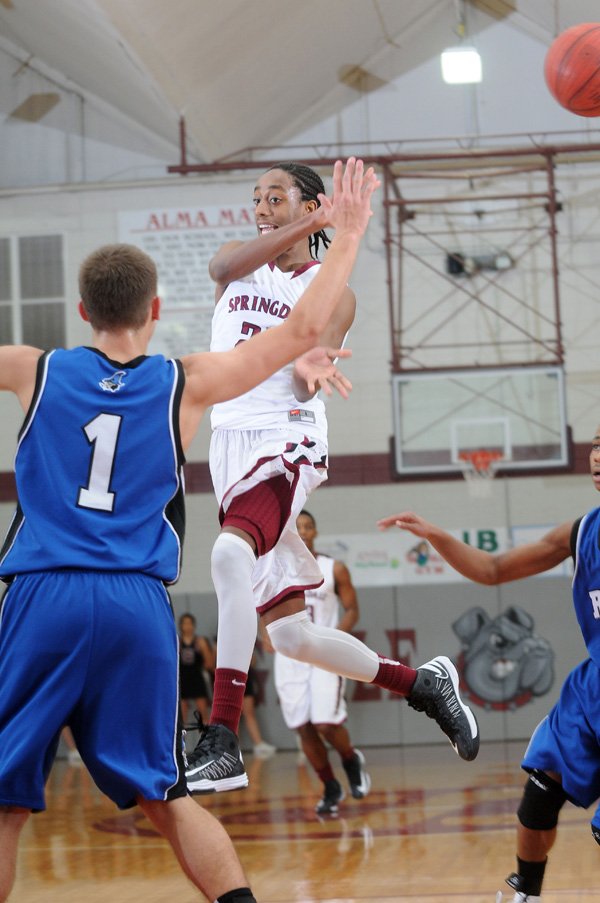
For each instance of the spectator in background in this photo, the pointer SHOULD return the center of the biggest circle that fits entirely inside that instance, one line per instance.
(196, 657)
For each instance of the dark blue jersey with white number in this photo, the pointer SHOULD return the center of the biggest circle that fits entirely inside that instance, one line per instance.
(586, 582)
(99, 468)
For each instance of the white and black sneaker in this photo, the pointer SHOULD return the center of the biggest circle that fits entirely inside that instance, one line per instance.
(435, 692)
(516, 883)
(216, 763)
(519, 897)
(332, 796)
(358, 778)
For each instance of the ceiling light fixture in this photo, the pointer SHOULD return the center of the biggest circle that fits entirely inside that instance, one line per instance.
(461, 65)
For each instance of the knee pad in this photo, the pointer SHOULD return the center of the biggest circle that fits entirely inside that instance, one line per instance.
(291, 635)
(542, 800)
(228, 553)
(332, 650)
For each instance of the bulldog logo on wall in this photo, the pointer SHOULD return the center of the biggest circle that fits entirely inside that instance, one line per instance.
(503, 663)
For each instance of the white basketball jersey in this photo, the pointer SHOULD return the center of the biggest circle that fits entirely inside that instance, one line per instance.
(322, 604)
(261, 301)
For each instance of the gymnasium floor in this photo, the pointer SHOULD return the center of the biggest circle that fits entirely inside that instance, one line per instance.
(434, 829)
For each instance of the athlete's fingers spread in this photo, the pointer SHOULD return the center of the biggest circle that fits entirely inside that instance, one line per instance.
(348, 174)
(370, 183)
(358, 176)
(332, 353)
(344, 386)
(371, 180)
(394, 520)
(337, 177)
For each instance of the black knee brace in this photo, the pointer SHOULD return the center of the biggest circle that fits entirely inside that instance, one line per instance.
(596, 833)
(241, 895)
(543, 798)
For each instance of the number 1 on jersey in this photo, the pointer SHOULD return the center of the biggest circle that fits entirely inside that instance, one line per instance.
(102, 433)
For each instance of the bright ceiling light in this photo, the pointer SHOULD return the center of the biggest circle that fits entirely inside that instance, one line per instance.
(461, 65)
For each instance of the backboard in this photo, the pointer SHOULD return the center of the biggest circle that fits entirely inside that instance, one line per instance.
(517, 412)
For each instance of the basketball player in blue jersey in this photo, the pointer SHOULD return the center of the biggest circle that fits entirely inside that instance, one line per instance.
(97, 536)
(563, 755)
(268, 453)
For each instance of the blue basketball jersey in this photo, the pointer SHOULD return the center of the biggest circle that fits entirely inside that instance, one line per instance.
(586, 582)
(99, 468)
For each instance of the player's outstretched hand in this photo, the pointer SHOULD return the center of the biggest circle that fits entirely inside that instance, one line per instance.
(349, 208)
(317, 368)
(407, 520)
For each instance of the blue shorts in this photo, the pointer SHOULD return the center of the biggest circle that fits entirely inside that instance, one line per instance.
(567, 741)
(98, 652)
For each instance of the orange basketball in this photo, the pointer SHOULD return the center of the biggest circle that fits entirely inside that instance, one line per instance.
(572, 69)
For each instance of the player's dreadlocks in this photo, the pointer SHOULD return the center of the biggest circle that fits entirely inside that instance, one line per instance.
(310, 184)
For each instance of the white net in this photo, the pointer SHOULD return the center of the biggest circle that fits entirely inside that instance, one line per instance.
(479, 469)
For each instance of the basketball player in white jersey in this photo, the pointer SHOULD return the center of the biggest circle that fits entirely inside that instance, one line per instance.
(268, 452)
(313, 701)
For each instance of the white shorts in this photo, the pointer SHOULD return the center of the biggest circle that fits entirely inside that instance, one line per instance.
(262, 479)
(307, 693)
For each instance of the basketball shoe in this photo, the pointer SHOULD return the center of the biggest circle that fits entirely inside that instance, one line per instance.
(435, 692)
(216, 763)
(332, 796)
(516, 882)
(358, 778)
(518, 898)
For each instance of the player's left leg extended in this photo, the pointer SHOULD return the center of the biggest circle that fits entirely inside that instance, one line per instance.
(432, 688)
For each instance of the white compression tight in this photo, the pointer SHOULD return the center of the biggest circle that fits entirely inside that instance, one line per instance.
(232, 563)
(332, 650)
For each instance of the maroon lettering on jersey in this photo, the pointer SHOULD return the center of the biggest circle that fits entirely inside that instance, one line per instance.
(270, 306)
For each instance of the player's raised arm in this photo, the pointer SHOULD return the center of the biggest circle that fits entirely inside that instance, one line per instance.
(485, 567)
(214, 377)
(346, 593)
(18, 365)
(238, 258)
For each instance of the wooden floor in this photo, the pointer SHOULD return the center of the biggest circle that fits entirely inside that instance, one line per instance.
(433, 829)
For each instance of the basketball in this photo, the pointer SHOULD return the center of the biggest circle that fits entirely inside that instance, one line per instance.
(572, 69)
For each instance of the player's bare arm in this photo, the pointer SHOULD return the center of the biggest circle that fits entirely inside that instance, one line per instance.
(344, 590)
(237, 259)
(306, 380)
(207, 652)
(485, 567)
(18, 365)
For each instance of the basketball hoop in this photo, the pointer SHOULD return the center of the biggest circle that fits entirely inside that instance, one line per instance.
(478, 467)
